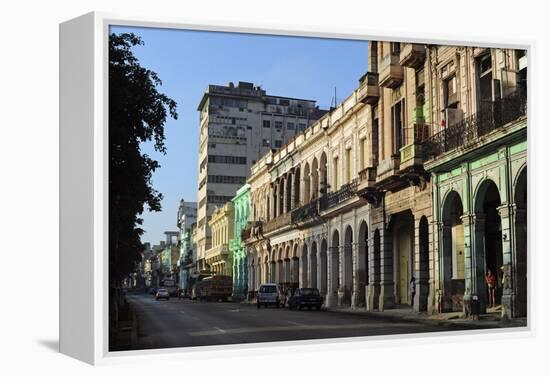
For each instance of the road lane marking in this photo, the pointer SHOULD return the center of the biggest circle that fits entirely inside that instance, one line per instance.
(245, 330)
(182, 312)
(293, 323)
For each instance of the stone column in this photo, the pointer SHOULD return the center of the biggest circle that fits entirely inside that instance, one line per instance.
(519, 263)
(292, 190)
(284, 181)
(468, 223)
(387, 284)
(506, 213)
(420, 271)
(332, 295)
(356, 290)
(479, 288)
(373, 289)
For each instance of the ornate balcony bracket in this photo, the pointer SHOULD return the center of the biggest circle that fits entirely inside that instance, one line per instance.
(372, 196)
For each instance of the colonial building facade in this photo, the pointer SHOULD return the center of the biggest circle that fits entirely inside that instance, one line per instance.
(218, 256)
(241, 205)
(420, 173)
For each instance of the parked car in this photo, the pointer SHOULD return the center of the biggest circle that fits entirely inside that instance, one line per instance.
(162, 293)
(305, 297)
(269, 294)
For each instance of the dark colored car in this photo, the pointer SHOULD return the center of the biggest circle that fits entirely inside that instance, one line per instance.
(305, 297)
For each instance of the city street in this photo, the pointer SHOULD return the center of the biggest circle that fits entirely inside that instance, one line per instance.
(183, 322)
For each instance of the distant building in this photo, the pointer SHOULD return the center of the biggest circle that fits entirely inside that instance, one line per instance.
(237, 249)
(187, 218)
(218, 257)
(238, 124)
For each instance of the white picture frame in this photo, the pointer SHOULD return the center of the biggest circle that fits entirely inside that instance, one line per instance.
(84, 188)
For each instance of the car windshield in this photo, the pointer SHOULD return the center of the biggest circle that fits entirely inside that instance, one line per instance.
(162, 291)
(268, 289)
(309, 292)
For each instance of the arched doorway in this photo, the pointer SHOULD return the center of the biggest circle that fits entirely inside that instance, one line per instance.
(520, 273)
(288, 193)
(452, 264)
(297, 188)
(313, 266)
(314, 179)
(288, 278)
(306, 191)
(323, 182)
(324, 277)
(295, 266)
(489, 238)
(362, 264)
(347, 267)
(402, 230)
(423, 278)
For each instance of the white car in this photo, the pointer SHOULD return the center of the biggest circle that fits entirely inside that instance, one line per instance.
(269, 294)
(162, 293)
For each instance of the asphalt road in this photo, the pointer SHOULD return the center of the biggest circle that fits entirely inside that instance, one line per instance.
(183, 322)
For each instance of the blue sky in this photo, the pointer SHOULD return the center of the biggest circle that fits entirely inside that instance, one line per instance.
(187, 61)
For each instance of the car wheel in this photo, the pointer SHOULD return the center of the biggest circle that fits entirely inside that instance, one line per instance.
(299, 307)
(258, 305)
(289, 307)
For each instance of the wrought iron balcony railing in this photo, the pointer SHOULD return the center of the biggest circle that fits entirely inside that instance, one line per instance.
(278, 222)
(491, 116)
(332, 199)
(306, 212)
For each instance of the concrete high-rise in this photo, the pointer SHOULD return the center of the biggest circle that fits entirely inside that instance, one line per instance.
(238, 124)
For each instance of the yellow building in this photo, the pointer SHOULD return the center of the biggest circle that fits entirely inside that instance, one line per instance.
(218, 257)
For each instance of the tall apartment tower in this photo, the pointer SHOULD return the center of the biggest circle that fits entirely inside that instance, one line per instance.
(238, 124)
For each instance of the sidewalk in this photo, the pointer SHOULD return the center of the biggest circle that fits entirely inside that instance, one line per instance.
(490, 320)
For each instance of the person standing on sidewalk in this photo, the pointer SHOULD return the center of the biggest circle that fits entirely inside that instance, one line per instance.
(490, 281)
(412, 289)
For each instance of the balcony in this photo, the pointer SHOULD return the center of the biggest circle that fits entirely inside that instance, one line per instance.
(277, 223)
(388, 174)
(367, 178)
(468, 131)
(333, 199)
(306, 213)
(369, 91)
(411, 155)
(366, 186)
(217, 252)
(412, 55)
(252, 230)
(391, 72)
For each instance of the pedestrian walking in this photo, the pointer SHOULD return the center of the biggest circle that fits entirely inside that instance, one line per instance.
(412, 289)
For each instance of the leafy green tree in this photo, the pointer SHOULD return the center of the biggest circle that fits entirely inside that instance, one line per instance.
(137, 114)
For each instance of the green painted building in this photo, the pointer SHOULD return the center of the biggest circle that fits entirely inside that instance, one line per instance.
(241, 203)
(479, 181)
